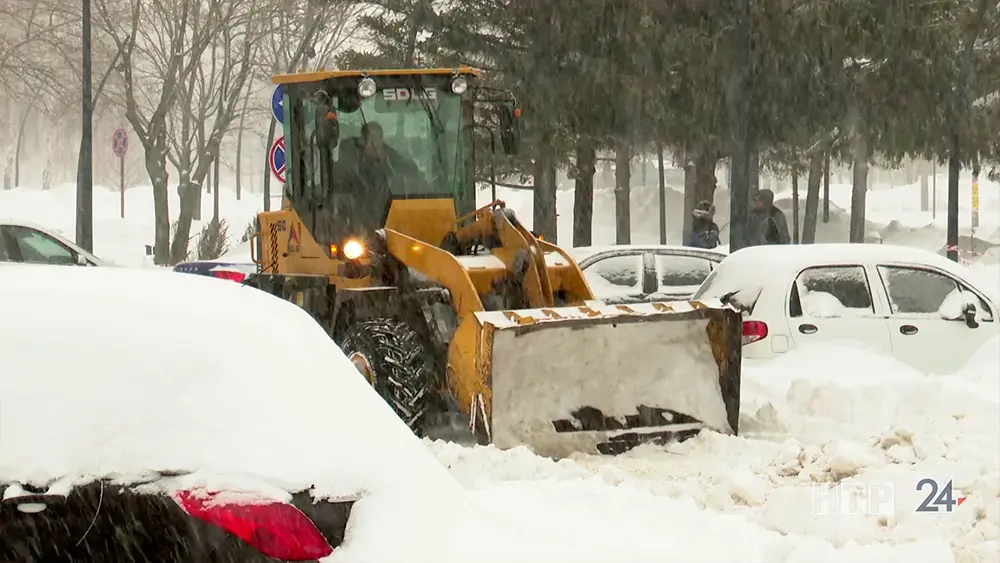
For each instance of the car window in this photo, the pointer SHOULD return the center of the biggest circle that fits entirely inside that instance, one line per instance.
(674, 270)
(616, 274)
(920, 291)
(38, 248)
(831, 291)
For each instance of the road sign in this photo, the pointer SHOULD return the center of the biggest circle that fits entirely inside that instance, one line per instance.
(119, 142)
(277, 107)
(276, 158)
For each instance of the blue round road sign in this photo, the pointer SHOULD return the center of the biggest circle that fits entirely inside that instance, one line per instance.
(277, 107)
(276, 158)
(119, 142)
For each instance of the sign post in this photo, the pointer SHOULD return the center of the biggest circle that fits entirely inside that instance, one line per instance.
(975, 197)
(276, 158)
(119, 144)
(277, 104)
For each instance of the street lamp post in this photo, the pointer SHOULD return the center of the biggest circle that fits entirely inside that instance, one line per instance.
(85, 183)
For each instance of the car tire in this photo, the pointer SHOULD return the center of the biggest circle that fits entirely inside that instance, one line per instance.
(392, 357)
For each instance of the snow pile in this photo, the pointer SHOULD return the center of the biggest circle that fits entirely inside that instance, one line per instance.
(148, 374)
(832, 415)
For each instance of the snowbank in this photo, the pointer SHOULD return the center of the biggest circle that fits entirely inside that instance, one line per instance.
(109, 370)
(832, 414)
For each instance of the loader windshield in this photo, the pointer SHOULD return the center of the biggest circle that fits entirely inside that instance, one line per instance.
(405, 140)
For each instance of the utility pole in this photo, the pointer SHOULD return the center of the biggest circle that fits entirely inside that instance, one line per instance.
(739, 200)
(85, 185)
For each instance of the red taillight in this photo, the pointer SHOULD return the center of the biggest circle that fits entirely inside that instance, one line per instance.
(229, 275)
(275, 529)
(754, 331)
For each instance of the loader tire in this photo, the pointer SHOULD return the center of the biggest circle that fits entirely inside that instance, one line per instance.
(398, 367)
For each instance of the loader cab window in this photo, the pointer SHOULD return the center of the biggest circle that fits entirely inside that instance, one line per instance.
(407, 139)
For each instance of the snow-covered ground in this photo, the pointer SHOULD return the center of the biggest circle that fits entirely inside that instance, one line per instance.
(833, 415)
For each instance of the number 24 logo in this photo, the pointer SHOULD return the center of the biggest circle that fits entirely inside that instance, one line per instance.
(945, 498)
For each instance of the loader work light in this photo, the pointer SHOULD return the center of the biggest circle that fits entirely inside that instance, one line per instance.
(459, 85)
(366, 88)
(353, 249)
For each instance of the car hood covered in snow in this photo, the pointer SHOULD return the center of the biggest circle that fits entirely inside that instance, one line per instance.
(108, 371)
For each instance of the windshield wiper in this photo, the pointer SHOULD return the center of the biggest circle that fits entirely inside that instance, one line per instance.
(437, 127)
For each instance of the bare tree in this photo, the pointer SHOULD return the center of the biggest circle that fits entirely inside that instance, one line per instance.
(208, 105)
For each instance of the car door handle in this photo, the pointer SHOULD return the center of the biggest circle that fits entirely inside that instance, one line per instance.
(807, 329)
(908, 329)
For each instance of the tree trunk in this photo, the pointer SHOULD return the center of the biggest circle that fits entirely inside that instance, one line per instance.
(189, 192)
(156, 167)
(544, 196)
(812, 197)
(20, 142)
(795, 207)
(623, 194)
(826, 189)
(196, 210)
(699, 183)
(239, 148)
(925, 200)
(583, 194)
(215, 195)
(662, 194)
(859, 192)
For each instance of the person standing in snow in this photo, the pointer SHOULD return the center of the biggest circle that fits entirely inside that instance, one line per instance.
(767, 223)
(704, 232)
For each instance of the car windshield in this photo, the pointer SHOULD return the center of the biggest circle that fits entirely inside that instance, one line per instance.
(100, 405)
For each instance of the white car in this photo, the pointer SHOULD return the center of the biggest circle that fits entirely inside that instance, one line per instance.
(621, 274)
(922, 308)
(33, 244)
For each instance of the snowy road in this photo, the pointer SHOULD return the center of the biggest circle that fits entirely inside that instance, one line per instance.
(882, 424)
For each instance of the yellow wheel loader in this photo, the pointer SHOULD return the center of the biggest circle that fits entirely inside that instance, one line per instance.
(458, 313)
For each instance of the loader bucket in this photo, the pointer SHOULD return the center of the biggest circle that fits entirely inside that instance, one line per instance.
(600, 378)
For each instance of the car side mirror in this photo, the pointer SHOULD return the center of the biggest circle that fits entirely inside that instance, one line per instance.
(969, 311)
(510, 128)
(80, 260)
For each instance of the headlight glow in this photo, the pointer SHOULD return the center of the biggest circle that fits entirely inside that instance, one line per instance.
(353, 249)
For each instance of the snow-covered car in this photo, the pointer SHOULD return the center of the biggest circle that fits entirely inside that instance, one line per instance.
(209, 452)
(622, 274)
(24, 242)
(917, 306)
(234, 265)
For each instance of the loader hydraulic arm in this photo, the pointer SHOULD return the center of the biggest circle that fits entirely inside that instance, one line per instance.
(514, 245)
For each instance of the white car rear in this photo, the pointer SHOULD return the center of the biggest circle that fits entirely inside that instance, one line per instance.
(925, 310)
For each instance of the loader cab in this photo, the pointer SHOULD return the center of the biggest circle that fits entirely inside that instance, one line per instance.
(356, 139)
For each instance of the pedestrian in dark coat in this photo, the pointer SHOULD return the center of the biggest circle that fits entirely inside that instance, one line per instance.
(704, 232)
(767, 223)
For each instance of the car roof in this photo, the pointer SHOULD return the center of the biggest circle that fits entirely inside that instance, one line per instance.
(215, 409)
(749, 270)
(761, 260)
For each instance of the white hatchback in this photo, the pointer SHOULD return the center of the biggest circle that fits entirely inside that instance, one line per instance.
(919, 307)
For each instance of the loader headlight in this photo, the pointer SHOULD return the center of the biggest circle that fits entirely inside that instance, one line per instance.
(353, 249)
(366, 88)
(459, 85)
